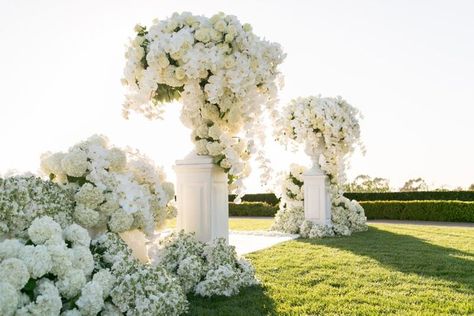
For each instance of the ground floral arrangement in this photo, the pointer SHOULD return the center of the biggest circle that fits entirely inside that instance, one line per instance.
(330, 130)
(61, 252)
(224, 75)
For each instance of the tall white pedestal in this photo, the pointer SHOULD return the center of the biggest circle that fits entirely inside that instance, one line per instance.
(317, 200)
(202, 198)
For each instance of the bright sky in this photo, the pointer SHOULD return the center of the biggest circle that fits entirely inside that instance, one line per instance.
(407, 65)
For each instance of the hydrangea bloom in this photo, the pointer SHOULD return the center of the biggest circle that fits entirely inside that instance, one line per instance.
(220, 71)
(116, 190)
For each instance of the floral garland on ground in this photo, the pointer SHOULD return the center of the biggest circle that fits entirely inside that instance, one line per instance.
(24, 198)
(330, 130)
(204, 269)
(51, 271)
(114, 190)
(220, 71)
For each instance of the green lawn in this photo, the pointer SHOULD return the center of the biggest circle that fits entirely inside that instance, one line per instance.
(236, 223)
(391, 269)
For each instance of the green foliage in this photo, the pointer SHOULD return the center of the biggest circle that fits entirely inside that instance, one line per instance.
(269, 198)
(365, 183)
(446, 211)
(417, 184)
(388, 270)
(252, 209)
(410, 196)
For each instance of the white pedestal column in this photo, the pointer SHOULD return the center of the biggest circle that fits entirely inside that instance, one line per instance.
(317, 201)
(202, 198)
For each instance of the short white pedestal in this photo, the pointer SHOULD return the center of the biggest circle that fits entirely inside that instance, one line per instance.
(317, 201)
(202, 198)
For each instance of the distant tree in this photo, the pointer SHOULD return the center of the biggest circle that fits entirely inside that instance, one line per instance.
(417, 184)
(364, 183)
(471, 187)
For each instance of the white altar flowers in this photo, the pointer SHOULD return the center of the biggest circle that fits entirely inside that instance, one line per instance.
(329, 129)
(219, 70)
(114, 189)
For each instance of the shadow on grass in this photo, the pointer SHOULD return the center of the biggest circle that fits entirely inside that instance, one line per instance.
(250, 301)
(408, 254)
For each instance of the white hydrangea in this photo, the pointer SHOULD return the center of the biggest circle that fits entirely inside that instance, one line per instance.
(115, 189)
(75, 163)
(71, 283)
(48, 301)
(37, 259)
(89, 196)
(120, 221)
(8, 299)
(106, 281)
(83, 259)
(85, 216)
(44, 229)
(91, 300)
(61, 258)
(77, 235)
(10, 248)
(14, 272)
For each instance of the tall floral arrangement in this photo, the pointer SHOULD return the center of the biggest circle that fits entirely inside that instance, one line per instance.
(330, 131)
(223, 74)
(328, 127)
(114, 189)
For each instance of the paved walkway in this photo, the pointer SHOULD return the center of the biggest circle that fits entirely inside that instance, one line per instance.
(248, 241)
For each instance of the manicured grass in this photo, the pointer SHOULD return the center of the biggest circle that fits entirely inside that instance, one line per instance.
(391, 269)
(238, 223)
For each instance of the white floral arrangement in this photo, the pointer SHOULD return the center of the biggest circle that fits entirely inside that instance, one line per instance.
(140, 289)
(219, 70)
(24, 198)
(115, 190)
(51, 272)
(204, 269)
(328, 127)
(347, 216)
(290, 215)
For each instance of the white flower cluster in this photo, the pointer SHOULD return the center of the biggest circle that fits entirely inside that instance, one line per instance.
(204, 269)
(290, 215)
(329, 128)
(346, 216)
(220, 71)
(24, 198)
(115, 189)
(139, 289)
(51, 272)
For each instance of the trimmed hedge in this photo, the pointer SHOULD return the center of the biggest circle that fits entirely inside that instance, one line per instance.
(252, 209)
(412, 196)
(445, 211)
(268, 198)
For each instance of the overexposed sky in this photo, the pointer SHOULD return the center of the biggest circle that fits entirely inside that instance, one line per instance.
(407, 65)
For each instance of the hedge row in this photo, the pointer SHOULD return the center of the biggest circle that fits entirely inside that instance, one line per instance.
(413, 196)
(252, 209)
(268, 198)
(445, 211)
(271, 199)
